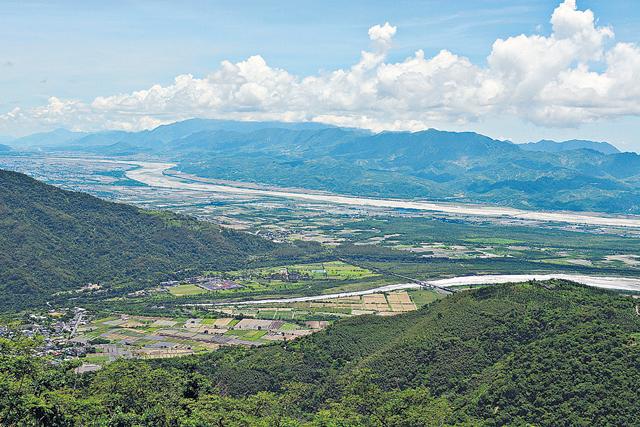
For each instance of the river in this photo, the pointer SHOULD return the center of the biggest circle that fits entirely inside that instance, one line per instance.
(603, 282)
(152, 174)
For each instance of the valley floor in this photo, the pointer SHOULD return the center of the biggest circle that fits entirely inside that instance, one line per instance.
(154, 174)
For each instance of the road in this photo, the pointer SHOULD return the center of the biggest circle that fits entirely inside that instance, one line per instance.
(74, 330)
(614, 283)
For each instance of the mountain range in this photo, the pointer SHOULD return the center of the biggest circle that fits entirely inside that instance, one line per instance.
(574, 144)
(462, 166)
(536, 353)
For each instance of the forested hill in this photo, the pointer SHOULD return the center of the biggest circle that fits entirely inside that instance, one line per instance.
(543, 354)
(54, 240)
(552, 353)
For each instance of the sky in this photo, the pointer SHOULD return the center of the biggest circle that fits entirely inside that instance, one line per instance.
(517, 70)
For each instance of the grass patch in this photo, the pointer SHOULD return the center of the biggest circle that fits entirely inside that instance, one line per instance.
(186, 290)
(249, 335)
(96, 359)
(289, 327)
(423, 297)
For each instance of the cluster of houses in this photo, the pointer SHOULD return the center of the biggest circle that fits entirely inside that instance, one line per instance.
(57, 328)
(205, 282)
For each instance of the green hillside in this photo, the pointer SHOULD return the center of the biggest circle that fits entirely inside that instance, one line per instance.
(529, 353)
(546, 354)
(53, 240)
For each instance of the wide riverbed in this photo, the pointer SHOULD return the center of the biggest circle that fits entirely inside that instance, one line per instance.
(603, 282)
(152, 174)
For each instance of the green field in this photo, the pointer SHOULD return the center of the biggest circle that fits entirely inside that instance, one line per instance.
(186, 290)
(250, 335)
(293, 279)
(424, 297)
(333, 270)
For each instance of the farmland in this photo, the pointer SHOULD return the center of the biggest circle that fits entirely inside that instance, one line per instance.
(383, 304)
(321, 277)
(148, 337)
(333, 270)
(153, 337)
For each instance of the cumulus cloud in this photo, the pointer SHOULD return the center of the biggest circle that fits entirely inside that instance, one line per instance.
(571, 76)
(382, 34)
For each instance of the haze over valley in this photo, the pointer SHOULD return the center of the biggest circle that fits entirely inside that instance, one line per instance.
(365, 215)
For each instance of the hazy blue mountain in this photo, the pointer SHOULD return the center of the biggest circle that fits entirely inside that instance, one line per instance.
(99, 139)
(123, 143)
(188, 127)
(574, 144)
(4, 148)
(47, 139)
(431, 164)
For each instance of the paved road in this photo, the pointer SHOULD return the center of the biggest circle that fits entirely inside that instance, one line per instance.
(76, 324)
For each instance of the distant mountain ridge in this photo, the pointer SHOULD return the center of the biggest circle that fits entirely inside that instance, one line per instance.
(574, 144)
(62, 138)
(53, 138)
(431, 164)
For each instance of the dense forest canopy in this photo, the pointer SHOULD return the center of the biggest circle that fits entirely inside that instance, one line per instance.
(53, 240)
(548, 354)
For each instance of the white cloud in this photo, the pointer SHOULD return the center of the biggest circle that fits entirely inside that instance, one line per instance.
(569, 77)
(382, 34)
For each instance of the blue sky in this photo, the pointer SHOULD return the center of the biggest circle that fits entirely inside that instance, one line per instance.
(83, 50)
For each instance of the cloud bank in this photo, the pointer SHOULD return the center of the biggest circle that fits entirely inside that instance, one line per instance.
(575, 75)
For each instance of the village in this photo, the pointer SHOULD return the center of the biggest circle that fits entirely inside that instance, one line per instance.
(94, 339)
